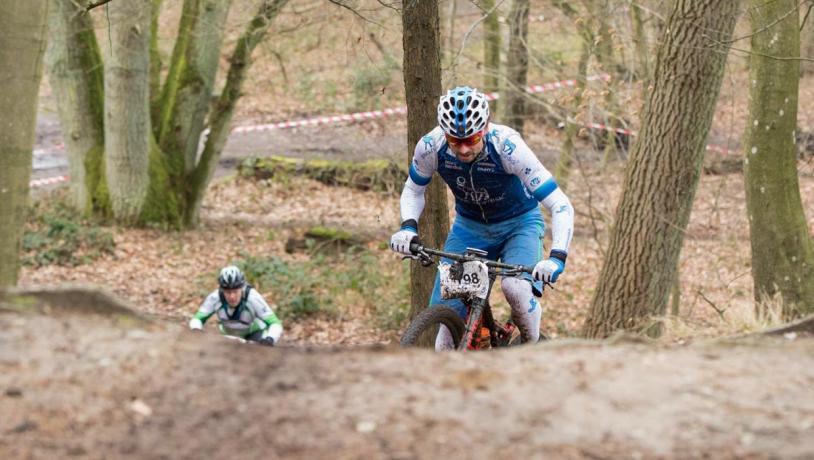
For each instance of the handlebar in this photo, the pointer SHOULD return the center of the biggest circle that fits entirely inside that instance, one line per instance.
(424, 253)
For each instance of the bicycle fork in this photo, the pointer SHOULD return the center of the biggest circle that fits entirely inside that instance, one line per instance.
(475, 312)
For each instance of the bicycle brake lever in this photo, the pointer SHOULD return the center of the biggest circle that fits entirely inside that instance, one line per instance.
(425, 260)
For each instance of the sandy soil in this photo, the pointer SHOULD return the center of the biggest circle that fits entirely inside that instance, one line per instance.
(83, 378)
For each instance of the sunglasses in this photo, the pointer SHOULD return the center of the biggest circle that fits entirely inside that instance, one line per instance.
(467, 141)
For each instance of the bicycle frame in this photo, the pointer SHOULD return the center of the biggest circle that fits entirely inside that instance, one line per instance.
(478, 308)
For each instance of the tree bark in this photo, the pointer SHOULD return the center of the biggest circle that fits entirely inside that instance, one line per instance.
(422, 83)
(491, 49)
(663, 170)
(451, 15)
(127, 110)
(221, 116)
(642, 70)
(22, 45)
(807, 39)
(189, 85)
(566, 158)
(517, 66)
(782, 252)
(75, 73)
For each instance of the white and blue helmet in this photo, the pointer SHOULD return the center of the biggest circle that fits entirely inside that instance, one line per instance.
(463, 111)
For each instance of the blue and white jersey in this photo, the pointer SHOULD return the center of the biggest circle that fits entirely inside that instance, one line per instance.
(504, 181)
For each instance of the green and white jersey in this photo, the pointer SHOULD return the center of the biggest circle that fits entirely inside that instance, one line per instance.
(252, 314)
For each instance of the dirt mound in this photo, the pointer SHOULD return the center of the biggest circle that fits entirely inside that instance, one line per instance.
(79, 381)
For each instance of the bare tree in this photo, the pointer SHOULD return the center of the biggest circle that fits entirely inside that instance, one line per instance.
(782, 250)
(22, 44)
(77, 80)
(517, 67)
(663, 170)
(422, 83)
(148, 125)
(127, 109)
(491, 47)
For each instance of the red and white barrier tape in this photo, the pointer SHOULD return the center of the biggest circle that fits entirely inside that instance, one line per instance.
(47, 181)
(362, 116)
(45, 151)
(369, 115)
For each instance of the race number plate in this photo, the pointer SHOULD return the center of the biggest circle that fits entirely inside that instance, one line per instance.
(474, 283)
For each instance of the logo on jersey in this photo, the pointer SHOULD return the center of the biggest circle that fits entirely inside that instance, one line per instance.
(486, 167)
(563, 208)
(533, 305)
(469, 193)
(452, 165)
(508, 147)
(535, 182)
(527, 171)
(428, 142)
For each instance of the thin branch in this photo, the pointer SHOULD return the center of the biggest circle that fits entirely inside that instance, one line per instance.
(97, 4)
(776, 58)
(805, 18)
(712, 304)
(471, 28)
(338, 3)
(768, 26)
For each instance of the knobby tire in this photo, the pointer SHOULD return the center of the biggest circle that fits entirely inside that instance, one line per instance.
(430, 317)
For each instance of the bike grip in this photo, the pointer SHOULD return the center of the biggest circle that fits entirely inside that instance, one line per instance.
(415, 246)
(527, 269)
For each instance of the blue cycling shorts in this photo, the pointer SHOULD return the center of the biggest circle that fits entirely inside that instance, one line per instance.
(518, 240)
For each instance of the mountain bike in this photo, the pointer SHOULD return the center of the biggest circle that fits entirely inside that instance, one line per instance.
(470, 278)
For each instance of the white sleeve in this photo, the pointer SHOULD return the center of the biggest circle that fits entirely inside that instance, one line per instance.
(423, 166)
(562, 219)
(412, 200)
(258, 304)
(518, 159)
(262, 310)
(210, 304)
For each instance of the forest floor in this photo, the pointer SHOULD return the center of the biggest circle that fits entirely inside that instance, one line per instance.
(84, 377)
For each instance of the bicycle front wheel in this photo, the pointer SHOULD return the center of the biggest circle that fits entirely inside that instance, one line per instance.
(424, 326)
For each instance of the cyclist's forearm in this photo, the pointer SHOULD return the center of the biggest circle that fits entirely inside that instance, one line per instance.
(203, 316)
(271, 319)
(412, 201)
(562, 219)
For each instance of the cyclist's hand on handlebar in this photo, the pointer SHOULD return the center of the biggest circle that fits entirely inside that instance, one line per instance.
(195, 324)
(400, 241)
(548, 270)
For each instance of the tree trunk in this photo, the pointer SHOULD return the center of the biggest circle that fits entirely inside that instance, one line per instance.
(663, 170)
(155, 65)
(599, 11)
(491, 49)
(566, 158)
(221, 116)
(22, 44)
(517, 66)
(189, 85)
(451, 15)
(422, 83)
(782, 253)
(642, 70)
(127, 110)
(807, 40)
(77, 80)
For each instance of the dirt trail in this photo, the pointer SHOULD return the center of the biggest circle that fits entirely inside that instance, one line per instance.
(81, 380)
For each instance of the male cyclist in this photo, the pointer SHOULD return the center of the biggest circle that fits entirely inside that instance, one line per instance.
(241, 310)
(497, 182)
